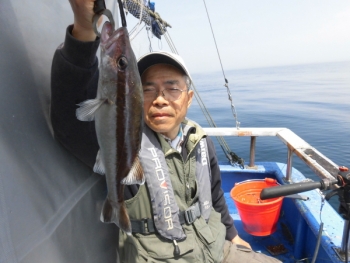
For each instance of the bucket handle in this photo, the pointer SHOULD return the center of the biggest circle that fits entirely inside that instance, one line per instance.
(266, 180)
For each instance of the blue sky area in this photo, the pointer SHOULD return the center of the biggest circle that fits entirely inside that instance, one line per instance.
(253, 33)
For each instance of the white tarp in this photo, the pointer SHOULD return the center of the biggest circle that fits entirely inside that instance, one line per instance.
(49, 201)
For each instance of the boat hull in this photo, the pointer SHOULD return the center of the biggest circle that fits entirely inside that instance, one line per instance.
(299, 222)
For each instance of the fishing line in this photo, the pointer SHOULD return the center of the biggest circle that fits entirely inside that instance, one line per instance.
(319, 237)
(347, 238)
(149, 40)
(172, 47)
(232, 157)
(160, 46)
(136, 34)
(141, 11)
(171, 41)
(217, 50)
(125, 6)
(233, 108)
(140, 20)
(136, 27)
(132, 30)
(167, 38)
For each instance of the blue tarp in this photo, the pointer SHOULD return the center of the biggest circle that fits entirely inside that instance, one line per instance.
(49, 201)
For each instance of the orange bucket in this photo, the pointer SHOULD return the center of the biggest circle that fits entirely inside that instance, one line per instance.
(259, 217)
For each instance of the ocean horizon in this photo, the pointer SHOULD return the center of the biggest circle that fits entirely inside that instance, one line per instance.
(312, 100)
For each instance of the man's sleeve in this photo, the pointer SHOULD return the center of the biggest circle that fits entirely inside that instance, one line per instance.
(219, 202)
(74, 78)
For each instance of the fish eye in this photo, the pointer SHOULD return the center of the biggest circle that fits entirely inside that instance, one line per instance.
(122, 63)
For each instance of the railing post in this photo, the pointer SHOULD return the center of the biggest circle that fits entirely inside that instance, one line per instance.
(252, 151)
(345, 246)
(341, 252)
(289, 165)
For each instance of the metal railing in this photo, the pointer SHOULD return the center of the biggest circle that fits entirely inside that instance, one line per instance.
(320, 164)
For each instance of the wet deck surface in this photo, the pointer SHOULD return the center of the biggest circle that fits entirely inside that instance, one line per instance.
(279, 244)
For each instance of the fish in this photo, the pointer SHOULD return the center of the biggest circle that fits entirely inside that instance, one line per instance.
(118, 114)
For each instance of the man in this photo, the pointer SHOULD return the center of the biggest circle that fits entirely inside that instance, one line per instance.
(194, 186)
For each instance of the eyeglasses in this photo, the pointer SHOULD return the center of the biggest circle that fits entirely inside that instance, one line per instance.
(170, 94)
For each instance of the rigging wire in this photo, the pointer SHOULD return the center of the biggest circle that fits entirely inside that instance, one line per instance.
(167, 38)
(231, 156)
(149, 39)
(135, 34)
(233, 108)
(139, 23)
(171, 41)
(136, 28)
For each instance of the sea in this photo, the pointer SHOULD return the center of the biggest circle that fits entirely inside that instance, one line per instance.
(312, 100)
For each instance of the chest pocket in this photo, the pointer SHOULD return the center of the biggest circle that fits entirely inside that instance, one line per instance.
(212, 235)
(160, 250)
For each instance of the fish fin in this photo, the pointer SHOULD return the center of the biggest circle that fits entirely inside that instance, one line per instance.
(99, 166)
(135, 176)
(108, 213)
(124, 221)
(116, 214)
(87, 109)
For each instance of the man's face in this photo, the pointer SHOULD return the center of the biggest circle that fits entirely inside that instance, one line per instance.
(161, 115)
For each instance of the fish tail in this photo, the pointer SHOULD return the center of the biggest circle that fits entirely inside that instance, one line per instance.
(116, 214)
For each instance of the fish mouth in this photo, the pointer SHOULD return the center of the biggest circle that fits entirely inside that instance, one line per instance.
(115, 38)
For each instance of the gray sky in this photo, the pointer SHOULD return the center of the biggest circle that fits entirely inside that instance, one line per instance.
(253, 33)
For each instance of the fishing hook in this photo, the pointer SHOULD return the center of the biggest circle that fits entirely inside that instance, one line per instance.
(99, 10)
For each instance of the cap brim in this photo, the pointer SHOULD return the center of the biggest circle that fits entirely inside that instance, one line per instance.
(161, 57)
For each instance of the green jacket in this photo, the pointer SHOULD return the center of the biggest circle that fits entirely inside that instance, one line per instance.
(204, 241)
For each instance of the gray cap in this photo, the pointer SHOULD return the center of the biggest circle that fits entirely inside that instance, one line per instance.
(161, 57)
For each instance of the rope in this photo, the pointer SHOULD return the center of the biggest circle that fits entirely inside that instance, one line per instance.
(140, 21)
(231, 156)
(149, 40)
(135, 35)
(133, 6)
(133, 30)
(136, 27)
(167, 38)
(166, 33)
(233, 108)
(217, 50)
(141, 10)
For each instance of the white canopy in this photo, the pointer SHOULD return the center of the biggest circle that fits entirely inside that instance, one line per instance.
(50, 202)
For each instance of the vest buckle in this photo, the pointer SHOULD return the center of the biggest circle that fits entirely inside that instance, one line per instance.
(189, 216)
(192, 213)
(143, 226)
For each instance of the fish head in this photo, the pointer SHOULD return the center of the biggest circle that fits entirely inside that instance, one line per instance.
(118, 63)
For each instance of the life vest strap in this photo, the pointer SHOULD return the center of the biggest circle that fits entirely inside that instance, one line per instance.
(146, 225)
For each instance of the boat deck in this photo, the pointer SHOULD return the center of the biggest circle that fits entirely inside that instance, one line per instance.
(296, 236)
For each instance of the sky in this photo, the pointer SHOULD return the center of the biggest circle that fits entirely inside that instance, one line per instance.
(252, 33)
